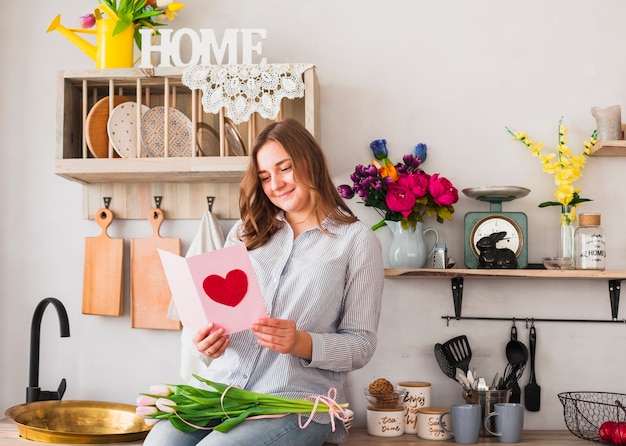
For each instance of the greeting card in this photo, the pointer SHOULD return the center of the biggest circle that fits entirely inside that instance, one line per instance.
(218, 286)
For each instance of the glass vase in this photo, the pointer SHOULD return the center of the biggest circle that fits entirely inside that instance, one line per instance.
(565, 248)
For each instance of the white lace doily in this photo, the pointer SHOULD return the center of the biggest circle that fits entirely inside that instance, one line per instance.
(245, 89)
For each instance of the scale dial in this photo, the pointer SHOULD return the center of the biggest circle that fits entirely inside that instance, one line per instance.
(486, 226)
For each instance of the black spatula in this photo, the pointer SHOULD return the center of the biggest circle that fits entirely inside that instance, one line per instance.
(532, 391)
(459, 352)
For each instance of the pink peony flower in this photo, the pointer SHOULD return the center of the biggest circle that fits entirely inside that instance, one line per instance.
(442, 190)
(400, 199)
(417, 183)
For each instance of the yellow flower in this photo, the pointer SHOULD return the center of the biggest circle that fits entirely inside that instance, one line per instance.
(172, 8)
(564, 166)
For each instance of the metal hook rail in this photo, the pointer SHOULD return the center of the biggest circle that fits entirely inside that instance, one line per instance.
(457, 298)
(529, 319)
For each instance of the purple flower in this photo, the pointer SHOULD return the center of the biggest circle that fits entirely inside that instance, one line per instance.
(411, 162)
(379, 147)
(345, 191)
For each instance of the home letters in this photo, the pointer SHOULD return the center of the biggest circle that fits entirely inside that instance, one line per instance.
(204, 44)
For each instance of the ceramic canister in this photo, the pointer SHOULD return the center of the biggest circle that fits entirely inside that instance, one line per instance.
(428, 426)
(417, 396)
(385, 422)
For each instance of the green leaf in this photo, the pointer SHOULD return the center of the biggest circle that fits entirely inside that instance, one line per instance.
(229, 423)
(125, 20)
(549, 203)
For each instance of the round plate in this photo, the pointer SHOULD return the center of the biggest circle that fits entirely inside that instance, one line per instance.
(122, 128)
(96, 126)
(208, 140)
(153, 132)
(235, 143)
(496, 193)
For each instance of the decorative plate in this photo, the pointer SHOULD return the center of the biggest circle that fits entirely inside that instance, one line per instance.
(122, 128)
(96, 126)
(208, 140)
(235, 143)
(496, 193)
(153, 132)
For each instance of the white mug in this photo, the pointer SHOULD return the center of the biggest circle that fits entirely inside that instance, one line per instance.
(417, 396)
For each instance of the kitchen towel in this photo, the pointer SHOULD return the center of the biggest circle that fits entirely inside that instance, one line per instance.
(208, 238)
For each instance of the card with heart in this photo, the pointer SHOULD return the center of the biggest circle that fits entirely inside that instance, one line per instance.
(218, 286)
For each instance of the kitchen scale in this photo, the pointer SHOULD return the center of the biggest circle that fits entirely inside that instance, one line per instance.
(483, 224)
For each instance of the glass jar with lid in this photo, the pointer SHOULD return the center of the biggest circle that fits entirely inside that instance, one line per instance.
(589, 243)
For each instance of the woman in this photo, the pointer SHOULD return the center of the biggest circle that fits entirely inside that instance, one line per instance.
(321, 275)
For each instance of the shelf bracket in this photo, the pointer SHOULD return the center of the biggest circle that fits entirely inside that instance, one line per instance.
(614, 290)
(457, 295)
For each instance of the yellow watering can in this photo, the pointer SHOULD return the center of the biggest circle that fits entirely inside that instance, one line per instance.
(109, 51)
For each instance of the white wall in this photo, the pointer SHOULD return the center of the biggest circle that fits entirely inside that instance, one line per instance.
(450, 74)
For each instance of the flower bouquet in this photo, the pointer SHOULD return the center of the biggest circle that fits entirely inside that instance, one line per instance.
(566, 168)
(401, 192)
(223, 407)
(136, 13)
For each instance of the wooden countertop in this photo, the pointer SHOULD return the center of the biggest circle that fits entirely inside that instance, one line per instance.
(359, 437)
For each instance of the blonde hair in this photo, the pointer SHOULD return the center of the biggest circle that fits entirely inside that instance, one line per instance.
(258, 213)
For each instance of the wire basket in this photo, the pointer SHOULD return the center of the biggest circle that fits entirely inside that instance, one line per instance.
(585, 412)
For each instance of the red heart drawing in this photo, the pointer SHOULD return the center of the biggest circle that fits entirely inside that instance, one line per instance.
(226, 291)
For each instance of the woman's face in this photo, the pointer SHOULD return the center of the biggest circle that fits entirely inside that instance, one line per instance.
(275, 171)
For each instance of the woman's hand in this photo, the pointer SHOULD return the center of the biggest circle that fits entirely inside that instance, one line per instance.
(211, 342)
(282, 336)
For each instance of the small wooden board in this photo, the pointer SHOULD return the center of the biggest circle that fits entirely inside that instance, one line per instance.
(149, 291)
(103, 270)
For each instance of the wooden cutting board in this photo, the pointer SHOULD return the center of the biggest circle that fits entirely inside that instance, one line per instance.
(103, 270)
(149, 291)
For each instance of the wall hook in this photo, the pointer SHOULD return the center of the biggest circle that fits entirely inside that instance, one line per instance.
(210, 200)
(157, 201)
(107, 202)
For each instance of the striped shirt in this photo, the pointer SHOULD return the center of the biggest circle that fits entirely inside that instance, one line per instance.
(331, 286)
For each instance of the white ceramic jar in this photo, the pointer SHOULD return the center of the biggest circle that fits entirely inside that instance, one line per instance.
(385, 422)
(428, 426)
(417, 396)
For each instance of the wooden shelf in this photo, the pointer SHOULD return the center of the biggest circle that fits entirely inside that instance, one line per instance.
(609, 148)
(142, 170)
(430, 273)
(184, 182)
(457, 276)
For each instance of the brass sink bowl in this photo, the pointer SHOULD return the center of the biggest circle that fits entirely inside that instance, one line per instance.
(78, 422)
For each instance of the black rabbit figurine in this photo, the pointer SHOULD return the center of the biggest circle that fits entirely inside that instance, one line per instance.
(491, 257)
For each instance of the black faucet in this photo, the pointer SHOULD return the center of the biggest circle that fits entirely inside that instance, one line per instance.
(34, 392)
